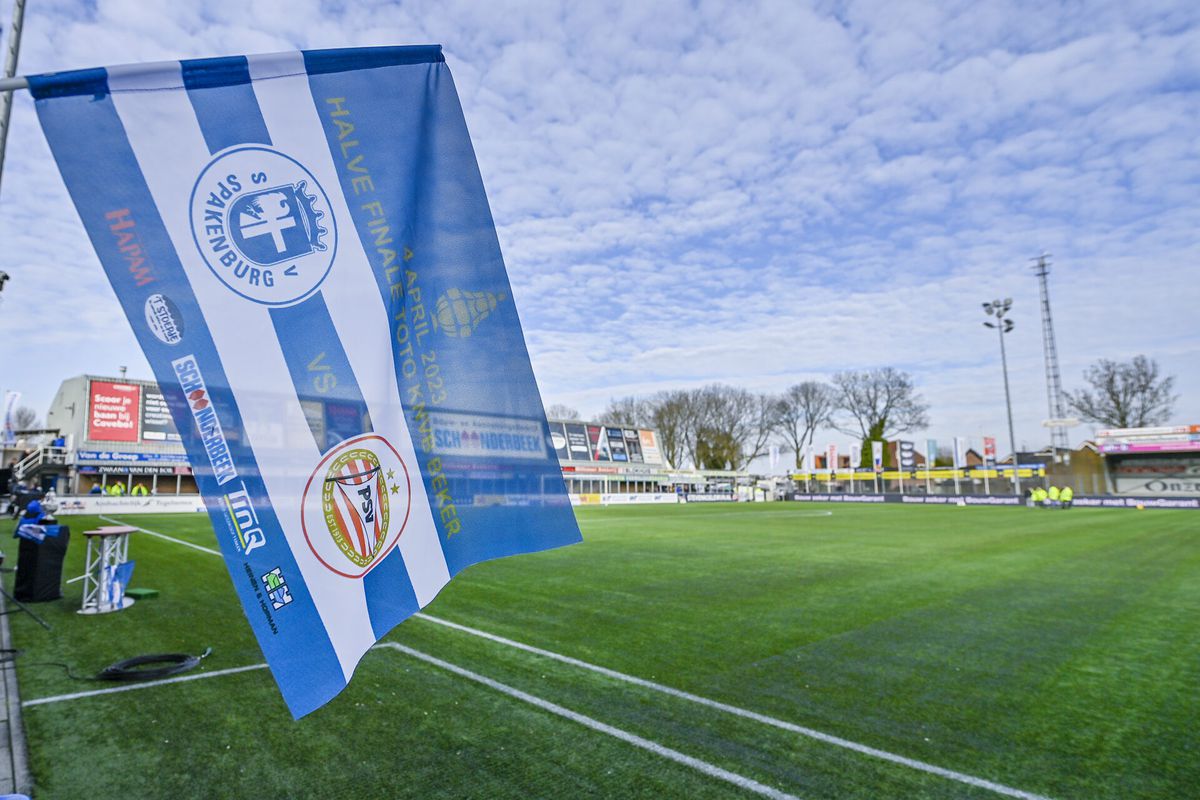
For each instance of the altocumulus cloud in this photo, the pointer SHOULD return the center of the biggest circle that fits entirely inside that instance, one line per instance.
(756, 193)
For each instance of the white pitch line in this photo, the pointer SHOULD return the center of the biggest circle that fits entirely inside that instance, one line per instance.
(837, 741)
(163, 536)
(711, 770)
(58, 698)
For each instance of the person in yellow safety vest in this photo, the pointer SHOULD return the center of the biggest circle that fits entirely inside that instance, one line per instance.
(1053, 494)
(1039, 496)
(117, 489)
(1066, 496)
(139, 491)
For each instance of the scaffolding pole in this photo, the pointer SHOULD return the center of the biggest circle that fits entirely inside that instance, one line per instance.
(9, 83)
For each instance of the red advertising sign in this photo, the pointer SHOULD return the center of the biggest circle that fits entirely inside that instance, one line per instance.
(989, 448)
(113, 411)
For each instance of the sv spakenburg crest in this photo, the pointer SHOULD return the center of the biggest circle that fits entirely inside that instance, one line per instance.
(356, 504)
(263, 225)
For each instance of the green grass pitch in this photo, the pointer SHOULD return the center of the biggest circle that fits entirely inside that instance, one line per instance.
(1057, 653)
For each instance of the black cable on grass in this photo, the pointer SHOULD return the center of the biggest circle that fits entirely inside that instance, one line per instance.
(137, 668)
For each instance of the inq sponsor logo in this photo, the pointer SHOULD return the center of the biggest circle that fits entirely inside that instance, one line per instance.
(164, 319)
(249, 533)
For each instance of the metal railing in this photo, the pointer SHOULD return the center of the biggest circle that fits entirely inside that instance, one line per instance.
(43, 456)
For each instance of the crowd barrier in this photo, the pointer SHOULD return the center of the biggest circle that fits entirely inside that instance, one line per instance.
(1103, 501)
(185, 504)
(622, 499)
(156, 504)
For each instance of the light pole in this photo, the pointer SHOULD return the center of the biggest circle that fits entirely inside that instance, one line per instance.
(998, 309)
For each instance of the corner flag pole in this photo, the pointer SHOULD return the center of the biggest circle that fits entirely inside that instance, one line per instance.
(9, 83)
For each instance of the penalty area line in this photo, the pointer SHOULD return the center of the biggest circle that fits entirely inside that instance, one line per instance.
(711, 770)
(837, 741)
(201, 548)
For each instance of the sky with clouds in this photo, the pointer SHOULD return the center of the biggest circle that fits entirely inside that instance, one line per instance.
(751, 193)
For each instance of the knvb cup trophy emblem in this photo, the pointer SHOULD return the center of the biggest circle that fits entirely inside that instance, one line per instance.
(457, 313)
(263, 225)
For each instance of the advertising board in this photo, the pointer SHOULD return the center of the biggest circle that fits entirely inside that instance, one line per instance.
(113, 410)
(157, 425)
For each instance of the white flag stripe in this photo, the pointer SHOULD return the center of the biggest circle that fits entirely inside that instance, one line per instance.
(166, 139)
(358, 312)
(145, 77)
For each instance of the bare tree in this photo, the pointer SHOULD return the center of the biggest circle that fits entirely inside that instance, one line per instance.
(627, 411)
(1129, 394)
(561, 412)
(673, 414)
(25, 419)
(800, 411)
(882, 403)
(734, 426)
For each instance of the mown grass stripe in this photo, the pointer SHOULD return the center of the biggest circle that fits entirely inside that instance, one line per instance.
(837, 741)
(712, 770)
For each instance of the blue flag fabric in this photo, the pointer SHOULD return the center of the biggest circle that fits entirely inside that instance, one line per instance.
(304, 249)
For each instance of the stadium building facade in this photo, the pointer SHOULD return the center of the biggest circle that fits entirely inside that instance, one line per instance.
(619, 463)
(111, 432)
(1160, 461)
(108, 431)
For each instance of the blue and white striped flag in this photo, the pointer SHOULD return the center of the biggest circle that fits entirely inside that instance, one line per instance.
(303, 247)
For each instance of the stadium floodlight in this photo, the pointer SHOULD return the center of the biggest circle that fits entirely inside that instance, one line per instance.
(999, 309)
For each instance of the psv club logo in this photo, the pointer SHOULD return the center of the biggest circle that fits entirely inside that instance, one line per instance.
(356, 504)
(263, 225)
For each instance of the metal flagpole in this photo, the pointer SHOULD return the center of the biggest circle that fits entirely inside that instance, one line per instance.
(957, 490)
(989, 462)
(877, 462)
(809, 463)
(930, 457)
(9, 83)
(831, 458)
(854, 467)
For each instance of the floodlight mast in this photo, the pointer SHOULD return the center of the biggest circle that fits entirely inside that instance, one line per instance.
(9, 83)
(1054, 392)
(999, 310)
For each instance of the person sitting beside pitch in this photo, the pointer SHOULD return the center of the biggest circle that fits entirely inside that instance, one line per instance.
(1052, 495)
